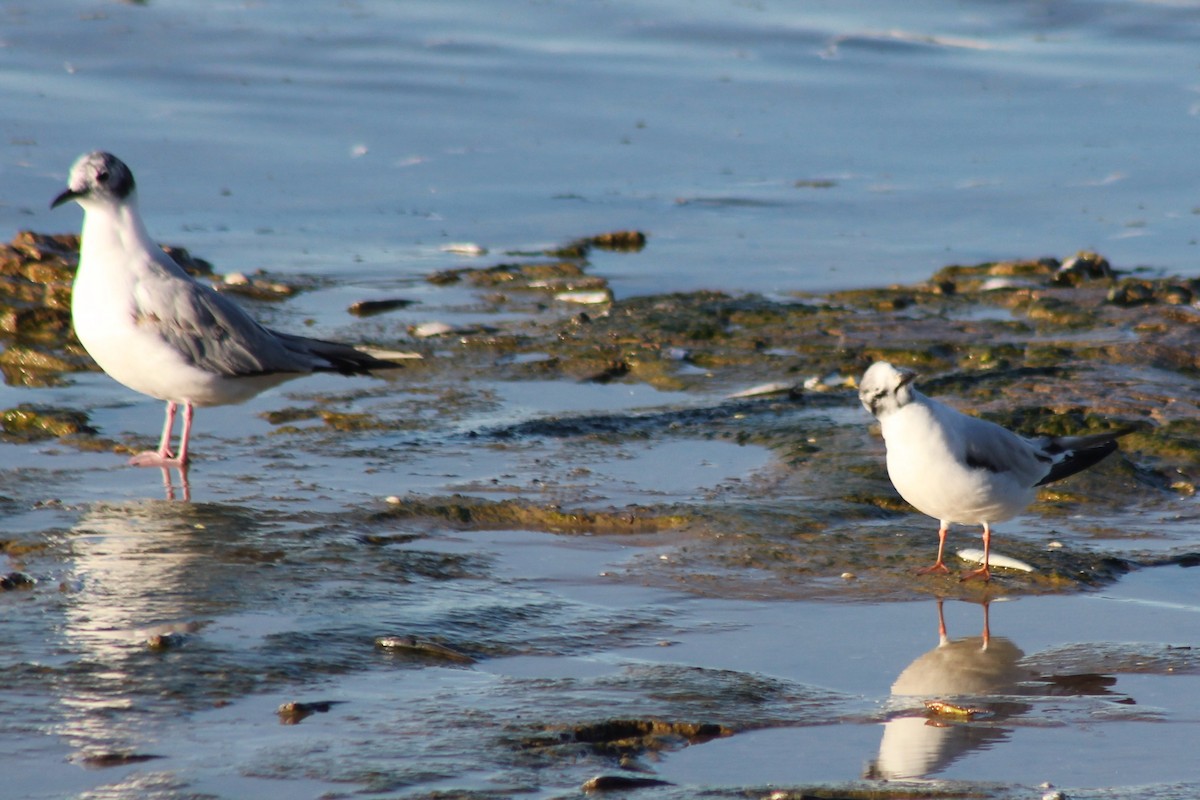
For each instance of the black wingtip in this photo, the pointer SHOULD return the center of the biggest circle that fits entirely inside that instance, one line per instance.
(1079, 460)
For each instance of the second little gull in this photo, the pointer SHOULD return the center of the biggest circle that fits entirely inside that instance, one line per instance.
(961, 469)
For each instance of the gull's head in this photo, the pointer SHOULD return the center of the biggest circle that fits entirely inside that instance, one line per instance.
(97, 179)
(884, 389)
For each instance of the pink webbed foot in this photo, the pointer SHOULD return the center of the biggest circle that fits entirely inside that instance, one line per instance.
(163, 457)
(983, 571)
(938, 567)
(972, 574)
(155, 458)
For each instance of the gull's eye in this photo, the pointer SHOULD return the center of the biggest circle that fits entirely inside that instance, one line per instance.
(102, 176)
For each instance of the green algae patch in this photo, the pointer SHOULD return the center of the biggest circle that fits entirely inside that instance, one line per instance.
(344, 421)
(476, 514)
(36, 366)
(32, 423)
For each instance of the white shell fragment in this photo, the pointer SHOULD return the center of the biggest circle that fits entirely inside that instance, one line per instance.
(829, 382)
(585, 298)
(996, 560)
(390, 355)
(428, 329)
(763, 389)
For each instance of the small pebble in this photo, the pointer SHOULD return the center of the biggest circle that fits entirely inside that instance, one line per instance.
(849, 576)
(677, 354)
(237, 279)
(464, 249)
(428, 329)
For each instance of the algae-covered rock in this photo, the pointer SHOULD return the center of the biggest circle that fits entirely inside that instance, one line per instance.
(1083, 266)
(29, 422)
(564, 278)
(476, 514)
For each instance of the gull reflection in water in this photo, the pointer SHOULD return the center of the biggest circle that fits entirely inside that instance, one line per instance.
(185, 487)
(969, 687)
(142, 578)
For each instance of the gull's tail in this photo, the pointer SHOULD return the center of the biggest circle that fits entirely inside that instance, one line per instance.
(1076, 453)
(337, 357)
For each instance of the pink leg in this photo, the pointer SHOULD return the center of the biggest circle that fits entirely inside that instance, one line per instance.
(983, 571)
(164, 444)
(938, 566)
(186, 434)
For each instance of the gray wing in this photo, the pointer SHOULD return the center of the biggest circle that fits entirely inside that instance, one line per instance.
(211, 331)
(991, 447)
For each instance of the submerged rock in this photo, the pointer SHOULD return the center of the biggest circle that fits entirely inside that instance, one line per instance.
(16, 580)
(618, 783)
(293, 712)
(115, 759)
(422, 648)
(620, 738)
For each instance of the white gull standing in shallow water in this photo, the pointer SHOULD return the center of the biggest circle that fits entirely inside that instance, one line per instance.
(960, 469)
(152, 327)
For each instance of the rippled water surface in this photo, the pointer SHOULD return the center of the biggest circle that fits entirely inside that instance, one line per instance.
(763, 146)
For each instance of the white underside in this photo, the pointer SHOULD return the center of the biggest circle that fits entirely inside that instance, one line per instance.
(927, 469)
(111, 266)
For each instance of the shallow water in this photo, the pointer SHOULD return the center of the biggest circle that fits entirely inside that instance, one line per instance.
(763, 147)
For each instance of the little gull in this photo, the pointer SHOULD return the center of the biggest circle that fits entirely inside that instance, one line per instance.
(150, 326)
(960, 469)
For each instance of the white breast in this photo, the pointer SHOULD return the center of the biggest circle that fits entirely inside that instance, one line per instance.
(926, 460)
